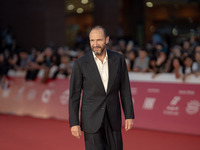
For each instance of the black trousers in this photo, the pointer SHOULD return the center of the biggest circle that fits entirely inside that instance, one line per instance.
(105, 138)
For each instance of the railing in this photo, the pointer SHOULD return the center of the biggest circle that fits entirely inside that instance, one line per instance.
(160, 103)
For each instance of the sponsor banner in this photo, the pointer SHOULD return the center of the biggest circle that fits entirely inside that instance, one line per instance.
(167, 106)
(35, 98)
(162, 106)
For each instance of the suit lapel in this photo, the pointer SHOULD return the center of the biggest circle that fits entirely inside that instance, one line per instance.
(95, 72)
(112, 67)
(112, 70)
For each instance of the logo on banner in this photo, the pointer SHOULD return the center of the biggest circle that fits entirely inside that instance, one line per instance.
(46, 96)
(186, 92)
(192, 107)
(153, 90)
(149, 103)
(31, 94)
(172, 108)
(20, 94)
(64, 98)
(6, 93)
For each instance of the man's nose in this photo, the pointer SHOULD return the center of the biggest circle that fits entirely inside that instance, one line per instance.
(95, 43)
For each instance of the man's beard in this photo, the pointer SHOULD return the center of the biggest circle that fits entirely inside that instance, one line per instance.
(98, 52)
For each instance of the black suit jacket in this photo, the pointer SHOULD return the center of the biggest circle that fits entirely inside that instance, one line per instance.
(85, 79)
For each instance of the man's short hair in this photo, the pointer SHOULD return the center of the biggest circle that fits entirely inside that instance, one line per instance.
(100, 27)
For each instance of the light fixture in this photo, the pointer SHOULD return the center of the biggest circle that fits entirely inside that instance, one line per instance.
(175, 32)
(149, 4)
(80, 10)
(70, 7)
(84, 1)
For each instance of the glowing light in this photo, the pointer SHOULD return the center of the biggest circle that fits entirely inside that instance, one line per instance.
(174, 31)
(149, 4)
(70, 7)
(80, 10)
(84, 1)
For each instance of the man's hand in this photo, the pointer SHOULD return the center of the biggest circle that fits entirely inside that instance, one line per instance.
(128, 124)
(76, 131)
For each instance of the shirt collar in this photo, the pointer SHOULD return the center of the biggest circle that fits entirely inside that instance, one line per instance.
(95, 57)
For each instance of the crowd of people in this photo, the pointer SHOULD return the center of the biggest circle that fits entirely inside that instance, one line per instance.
(182, 59)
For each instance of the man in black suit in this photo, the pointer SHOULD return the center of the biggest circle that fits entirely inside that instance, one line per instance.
(100, 75)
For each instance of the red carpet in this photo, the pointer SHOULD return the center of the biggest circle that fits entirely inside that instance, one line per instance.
(26, 133)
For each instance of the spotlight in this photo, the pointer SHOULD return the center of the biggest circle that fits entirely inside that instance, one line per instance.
(149, 4)
(70, 7)
(84, 1)
(80, 10)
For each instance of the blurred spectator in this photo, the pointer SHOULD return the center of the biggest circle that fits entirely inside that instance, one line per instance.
(32, 71)
(189, 67)
(64, 68)
(156, 38)
(152, 65)
(22, 62)
(194, 41)
(176, 67)
(130, 58)
(186, 49)
(141, 62)
(35, 61)
(4, 67)
(122, 46)
(48, 53)
(174, 52)
(160, 52)
(197, 59)
(160, 62)
(51, 63)
(12, 60)
(32, 54)
(150, 49)
(8, 36)
(130, 46)
(160, 47)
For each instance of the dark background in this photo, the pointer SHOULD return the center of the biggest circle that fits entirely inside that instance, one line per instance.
(40, 22)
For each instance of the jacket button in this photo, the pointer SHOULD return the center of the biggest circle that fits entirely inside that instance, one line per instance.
(102, 108)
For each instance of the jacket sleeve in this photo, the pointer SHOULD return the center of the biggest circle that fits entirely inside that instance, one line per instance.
(125, 92)
(75, 93)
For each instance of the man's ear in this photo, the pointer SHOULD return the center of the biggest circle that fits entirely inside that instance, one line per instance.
(107, 39)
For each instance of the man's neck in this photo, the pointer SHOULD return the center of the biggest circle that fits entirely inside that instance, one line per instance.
(102, 56)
